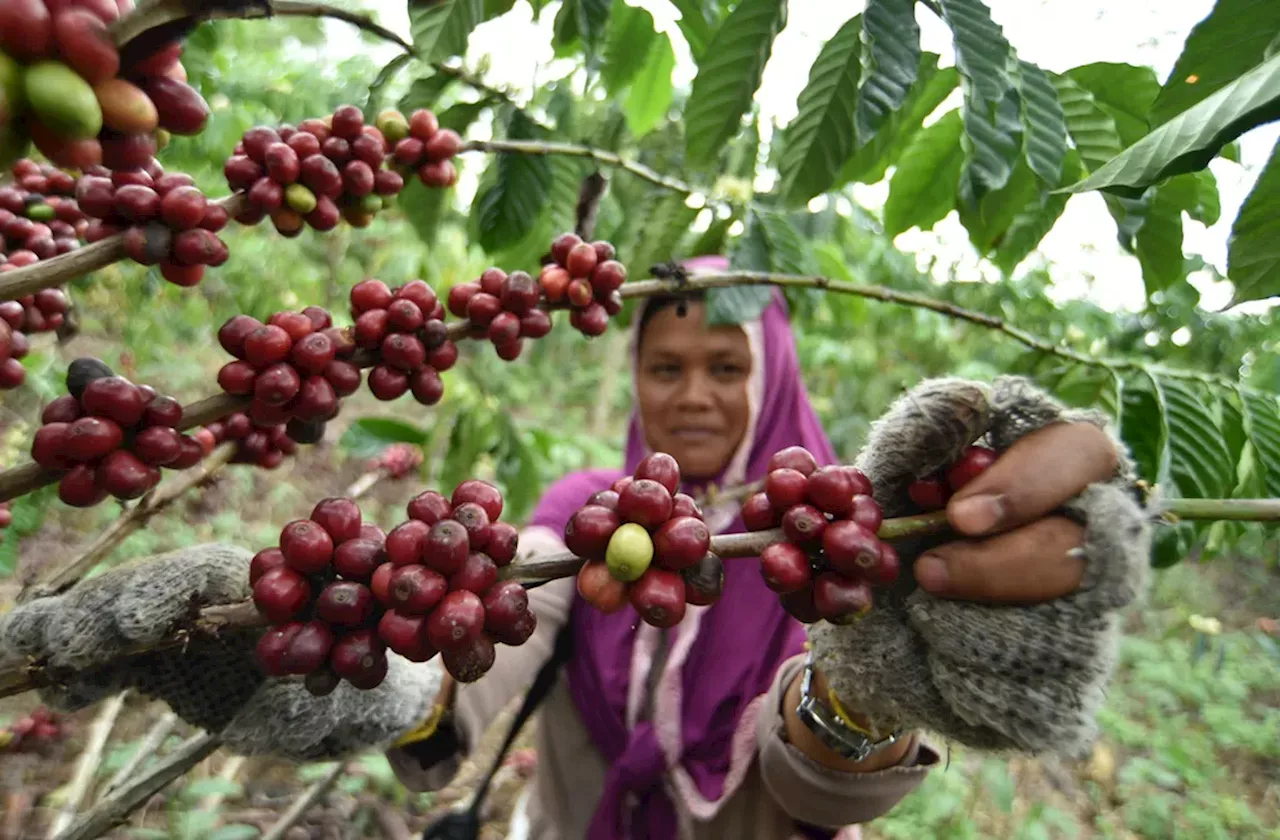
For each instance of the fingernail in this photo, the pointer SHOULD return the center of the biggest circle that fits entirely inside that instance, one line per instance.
(978, 514)
(931, 573)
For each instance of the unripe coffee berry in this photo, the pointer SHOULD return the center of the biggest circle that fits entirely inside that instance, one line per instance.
(599, 588)
(630, 552)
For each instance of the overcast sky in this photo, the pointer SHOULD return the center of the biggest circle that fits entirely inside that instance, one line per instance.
(1056, 34)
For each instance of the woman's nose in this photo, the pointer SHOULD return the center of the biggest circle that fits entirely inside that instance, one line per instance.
(695, 392)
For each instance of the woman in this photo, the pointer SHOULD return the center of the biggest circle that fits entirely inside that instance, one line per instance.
(999, 636)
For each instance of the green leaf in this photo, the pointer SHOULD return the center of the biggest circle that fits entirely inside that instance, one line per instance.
(1144, 428)
(769, 243)
(511, 205)
(1034, 220)
(1200, 463)
(235, 831)
(654, 237)
(1261, 413)
(1232, 39)
(649, 99)
(1190, 140)
(1043, 123)
(1093, 131)
(461, 115)
(424, 207)
(368, 436)
(1253, 249)
(869, 164)
(212, 786)
(1158, 243)
(374, 101)
(818, 141)
(1124, 91)
(923, 188)
(991, 147)
(497, 8)
(696, 23)
(890, 58)
(424, 93)
(728, 76)
(989, 219)
(630, 39)
(441, 27)
(982, 51)
(590, 18)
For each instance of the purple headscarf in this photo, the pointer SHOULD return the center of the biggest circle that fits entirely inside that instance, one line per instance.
(699, 738)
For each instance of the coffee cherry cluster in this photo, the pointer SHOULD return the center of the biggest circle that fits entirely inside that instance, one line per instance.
(109, 436)
(421, 146)
(296, 366)
(39, 219)
(503, 308)
(396, 461)
(264, 446)
(405, 327)
(645, 544)
(166, 220)
(339, 592)
(33, 733)
(42, 312)
(317, 173)
(831, 557)
(587, 277)
(77, 98)
(933, 492)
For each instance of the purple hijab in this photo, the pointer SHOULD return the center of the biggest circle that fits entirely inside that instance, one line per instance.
(697, 741)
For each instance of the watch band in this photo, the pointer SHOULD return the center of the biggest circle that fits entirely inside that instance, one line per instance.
(835, 730)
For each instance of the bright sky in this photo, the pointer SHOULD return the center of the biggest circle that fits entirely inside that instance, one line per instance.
(1056, 34)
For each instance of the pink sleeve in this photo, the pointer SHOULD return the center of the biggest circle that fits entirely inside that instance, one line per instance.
(477, 704)
(817, 795)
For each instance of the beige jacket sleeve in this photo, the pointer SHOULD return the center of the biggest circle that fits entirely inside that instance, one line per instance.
(477, 704)
(819, 796)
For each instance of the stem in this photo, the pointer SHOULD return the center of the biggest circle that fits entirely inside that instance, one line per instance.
(540, 148)
(1235, 510)
(364, 484)
(132, 520)
(304, 802)
(87, 766)
(115, 808)
(58, 271)
(150, 743)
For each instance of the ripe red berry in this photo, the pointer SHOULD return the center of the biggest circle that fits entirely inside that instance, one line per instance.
(406, 635)
(929, 493)
(456, 620)
(80, 487)
(447, 546)
(192, 452)
(114, 397)
(64, 409)
(608, 277)
(345, 603)
(861, 484)
(886, 569)
(786, 488)
(357, 178)
(387, 383)
(841, 599)
(460, 296)
(347, 122)
(622, 483)
(91, 438)
(581, 260)
(137, 204)
(159, 446)
(503, 542)
(759, 514)
(404, 315)
(477, 574)
(804, 525)
(280, 594)
(867, 513)
(609, 499)
(662, 468)
(830, 489)
(599, 588)
(504, 604)
(337, 150)
(427, 386)
(360, 658)
(974, 461)
(504, 329)
(343, 376)
(519, 293)
(592, 321)
(321, 176)
(406, 543)
(563, 244)
(481, 493)
(849, 547)
(162, 411)
(416, 589)
(49, 446)
(340, 518)
(267, 345)
(681, 542)
(429, 507)
(470, 660)
(276, 385)
(795, 458)
(579, 293)
(312, 353)
(785, 567)
(263, 561)
(356, 559)
(124, 476)
(442, 145)
(443, 357)
(658, 595)
(473, 518)
(403, 351)
(309, 648)
(645, 502)
(233, 333)
(482, 308)
(307, 547)
(380, 583)
(588, 531)
(369, 531)
(183, 208)
(271, 648)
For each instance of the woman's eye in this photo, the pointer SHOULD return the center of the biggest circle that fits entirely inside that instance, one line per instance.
(665, 371)
(728, 370)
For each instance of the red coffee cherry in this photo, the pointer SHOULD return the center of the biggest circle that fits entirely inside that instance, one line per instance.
(658, 595)
(609, 499)
(430, 507)
(49, 447)
(849, 547)
(406, 635)
(478, 574)
(345, 603)
(80, 487)
(830, 489)
(124, 476)
(360, 658)
(114, 397)
(473, 518)
(233, 333)
(786, 488)
(470, 660)
(406, 543)
(415, 589)
(280, 593)
(681, 542)
(503, 542)
(307, 547)
(645, 502)
(64, 409)
(309, 648)
(481, 493)
(887, 568)
(804, 525)
(974, 461)
(599, 588)
(588, 531)
(271, 648)
(785, 567)
(91, 438)
(370, 294)
(267, 345)
(158, 445)
(795, 458)
(264, 561)
(340, 518)
(867, 513)
(662, 468)
(840, 599)
(928, 493)
(456, 620)
(759, 514)
(358, 558)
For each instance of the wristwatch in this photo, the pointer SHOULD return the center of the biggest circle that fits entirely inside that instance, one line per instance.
(832, 725)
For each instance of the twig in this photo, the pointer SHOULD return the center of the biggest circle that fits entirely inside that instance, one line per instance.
(87, 766)
(228, 774)
(365, 483)
(150, 743)
(115, 809)
(304, 802)
(58, 271)
(127, 523)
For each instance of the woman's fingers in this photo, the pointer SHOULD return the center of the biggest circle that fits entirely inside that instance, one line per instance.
(1027, 565)
(1033, 477)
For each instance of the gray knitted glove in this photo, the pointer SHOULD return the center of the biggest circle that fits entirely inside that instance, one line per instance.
(84, 635)
(1027, 678)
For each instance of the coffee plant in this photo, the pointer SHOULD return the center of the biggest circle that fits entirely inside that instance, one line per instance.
(120, 150)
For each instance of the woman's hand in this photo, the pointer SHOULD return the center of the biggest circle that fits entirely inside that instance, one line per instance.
(1019, 550)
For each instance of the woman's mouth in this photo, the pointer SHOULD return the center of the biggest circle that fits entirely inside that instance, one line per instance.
(695, 434)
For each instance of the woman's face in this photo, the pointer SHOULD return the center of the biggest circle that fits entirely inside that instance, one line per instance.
(692, 384)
